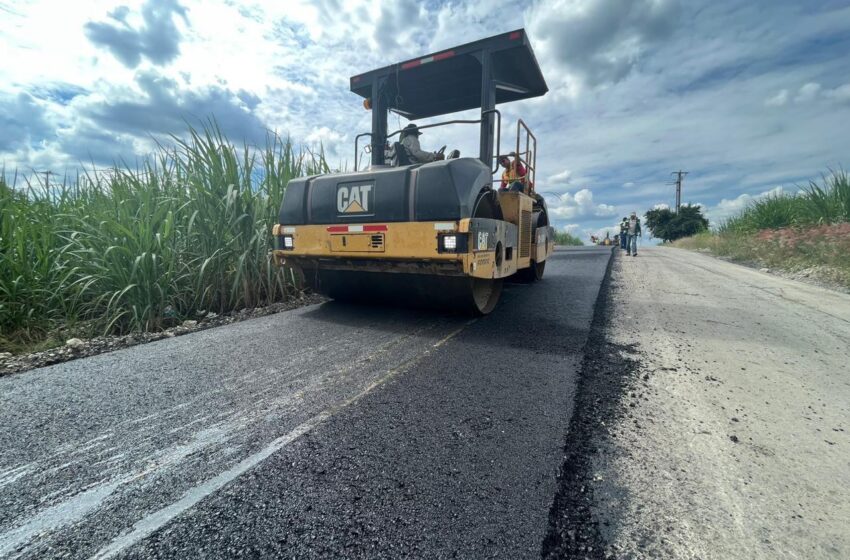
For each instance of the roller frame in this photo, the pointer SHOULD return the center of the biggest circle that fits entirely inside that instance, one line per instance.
(412, 247)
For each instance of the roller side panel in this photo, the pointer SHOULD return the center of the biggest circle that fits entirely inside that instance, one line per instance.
(441, 190)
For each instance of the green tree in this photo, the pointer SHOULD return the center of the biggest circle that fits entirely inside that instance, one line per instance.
(657, 220)
(669, 226)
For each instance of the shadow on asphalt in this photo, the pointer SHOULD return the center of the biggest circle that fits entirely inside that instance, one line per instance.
(378, 316)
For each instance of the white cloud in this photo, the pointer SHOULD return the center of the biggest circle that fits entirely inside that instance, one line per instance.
(778, 100)
(324, 134)
(729, 207)
(661, 206)
(597, 42)
(580, 205)
(397, 24)
(333, 142)
(840, 94)
(808, 92)
(637, 89)
(562, 177)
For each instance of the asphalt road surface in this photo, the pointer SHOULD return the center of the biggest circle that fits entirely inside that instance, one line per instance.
(325, 432)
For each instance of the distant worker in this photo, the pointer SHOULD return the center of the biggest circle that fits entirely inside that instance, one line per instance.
(514, 176)
(410, 140)
(624, 233)
(634, 232)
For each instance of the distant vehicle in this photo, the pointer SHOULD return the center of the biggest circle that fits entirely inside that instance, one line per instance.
(436, 233)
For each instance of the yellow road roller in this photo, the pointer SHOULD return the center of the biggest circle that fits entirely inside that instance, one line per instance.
(438, 234)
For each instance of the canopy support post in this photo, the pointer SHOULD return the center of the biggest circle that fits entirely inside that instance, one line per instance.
(379, 122)
(488, 103)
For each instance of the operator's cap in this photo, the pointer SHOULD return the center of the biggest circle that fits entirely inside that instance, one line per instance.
(410, 129)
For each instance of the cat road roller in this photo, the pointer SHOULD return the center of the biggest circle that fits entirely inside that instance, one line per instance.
(436, 234)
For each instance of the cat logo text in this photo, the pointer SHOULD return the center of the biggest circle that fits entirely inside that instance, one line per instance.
(354, 199)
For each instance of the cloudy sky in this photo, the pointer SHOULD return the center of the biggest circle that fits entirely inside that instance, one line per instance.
(747, 96)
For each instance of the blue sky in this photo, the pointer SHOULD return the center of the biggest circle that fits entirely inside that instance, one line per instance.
(749, 97)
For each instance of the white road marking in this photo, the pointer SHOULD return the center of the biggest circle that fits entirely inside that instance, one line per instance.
(56, 515)
(13, 474)
(158, 519)
(78, 506)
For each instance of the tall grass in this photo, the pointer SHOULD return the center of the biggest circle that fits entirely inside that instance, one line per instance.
(565, 238)
(806, 233)
(824, 204)
(134, 248)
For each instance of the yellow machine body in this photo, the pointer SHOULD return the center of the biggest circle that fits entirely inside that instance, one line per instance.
(413, 247)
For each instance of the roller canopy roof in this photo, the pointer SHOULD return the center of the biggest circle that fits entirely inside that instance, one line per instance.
(450, 81)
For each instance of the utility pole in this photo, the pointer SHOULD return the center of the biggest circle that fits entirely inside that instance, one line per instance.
(679, 176)
(47, 175)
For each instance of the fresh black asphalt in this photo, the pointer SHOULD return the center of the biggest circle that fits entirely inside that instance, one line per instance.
(330, 431)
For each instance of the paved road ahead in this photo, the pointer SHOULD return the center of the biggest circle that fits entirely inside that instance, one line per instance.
(326, 431)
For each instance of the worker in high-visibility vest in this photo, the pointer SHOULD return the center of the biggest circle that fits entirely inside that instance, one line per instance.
(624, 233)
(634, 232)
(514, 176)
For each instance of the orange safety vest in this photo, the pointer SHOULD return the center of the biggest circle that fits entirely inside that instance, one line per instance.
(510, 174)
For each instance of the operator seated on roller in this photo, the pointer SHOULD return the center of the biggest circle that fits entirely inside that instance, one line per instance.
(410, 140)
(514, 176)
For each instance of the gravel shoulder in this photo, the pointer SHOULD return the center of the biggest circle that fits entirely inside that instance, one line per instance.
(729, 438)
(821, 276)
(76, 348)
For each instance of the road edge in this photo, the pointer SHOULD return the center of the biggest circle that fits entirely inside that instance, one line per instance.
(21, 363)
(808, 276)
(604, 376)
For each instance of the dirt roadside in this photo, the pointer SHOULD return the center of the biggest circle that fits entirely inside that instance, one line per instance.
(730, 438)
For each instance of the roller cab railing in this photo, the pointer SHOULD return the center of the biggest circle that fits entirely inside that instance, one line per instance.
(526, 154)
(435, 125)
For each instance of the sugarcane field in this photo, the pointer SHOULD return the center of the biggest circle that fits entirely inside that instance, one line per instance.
(555, 279)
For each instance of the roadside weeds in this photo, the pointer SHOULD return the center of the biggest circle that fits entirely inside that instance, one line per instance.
(818, 255)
